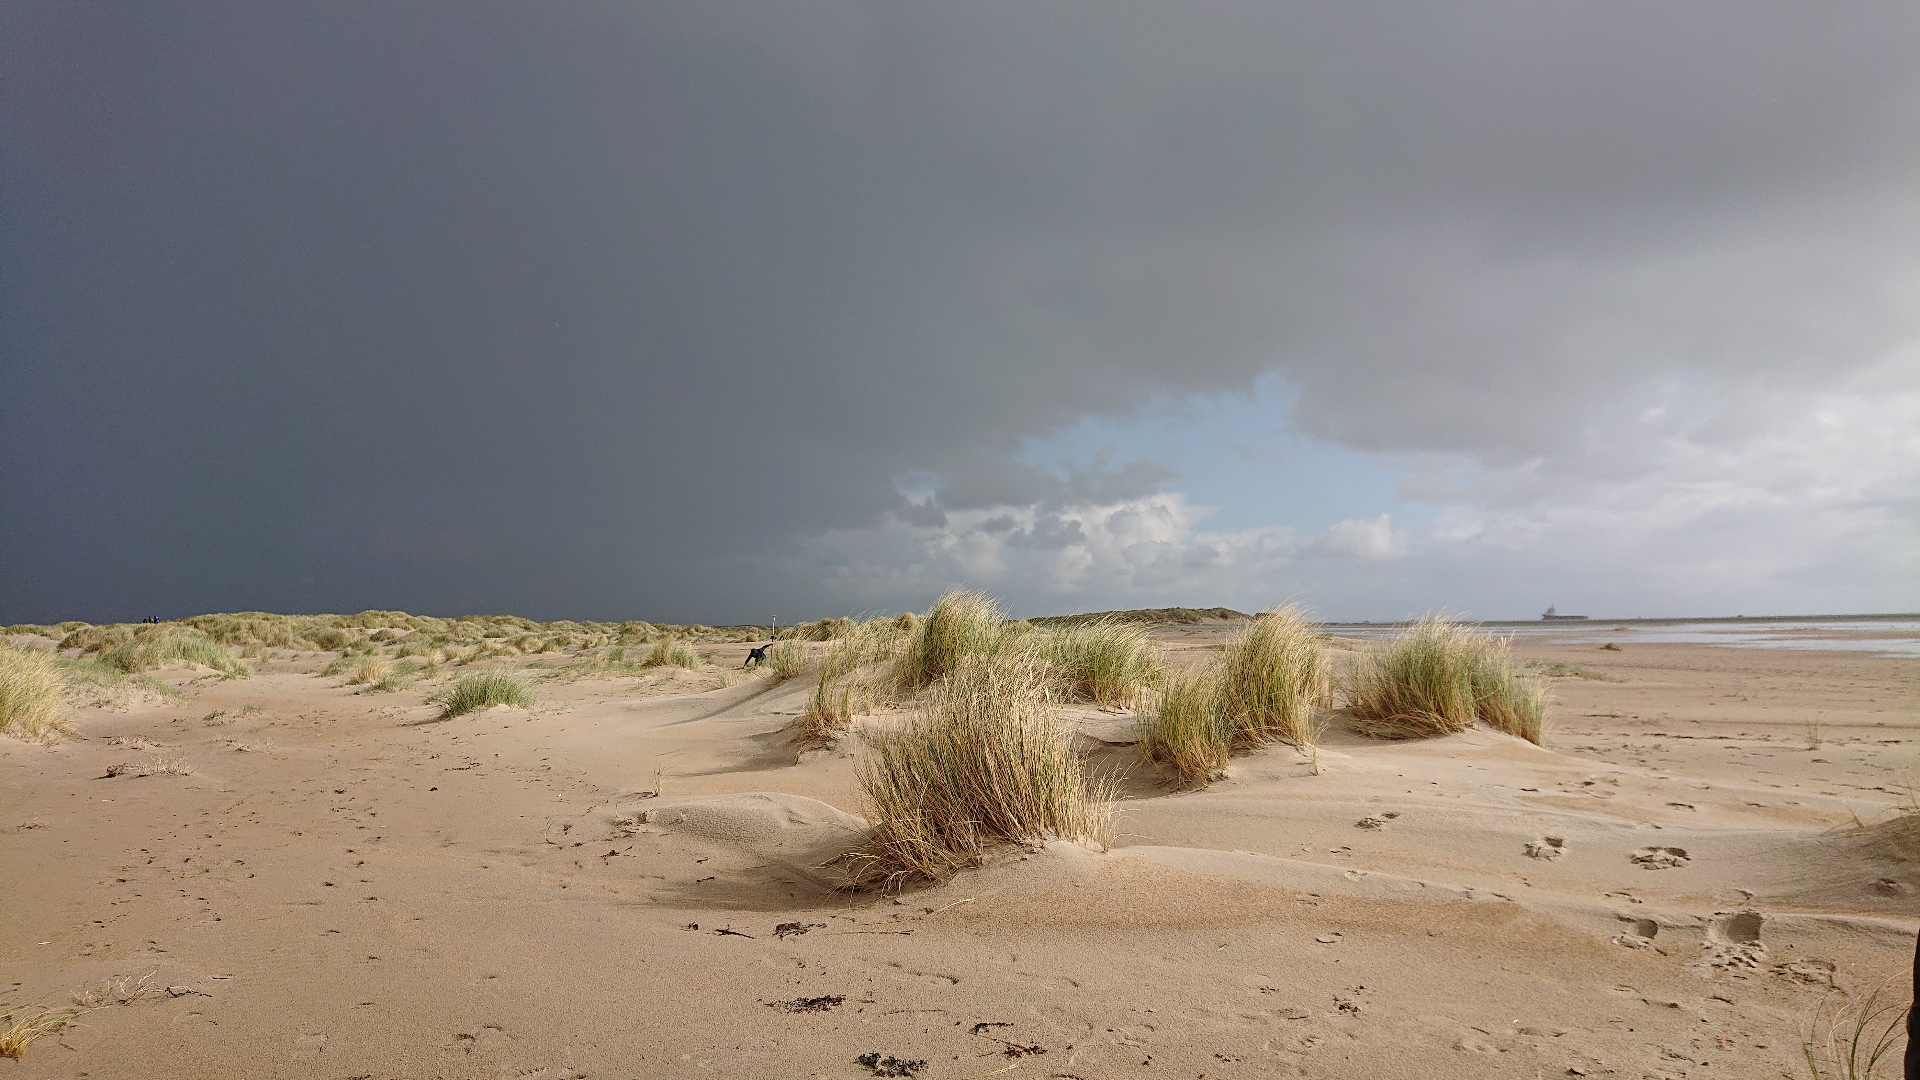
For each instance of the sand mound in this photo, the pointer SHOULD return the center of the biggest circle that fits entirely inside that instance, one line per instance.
(791, 832)
(762, 821)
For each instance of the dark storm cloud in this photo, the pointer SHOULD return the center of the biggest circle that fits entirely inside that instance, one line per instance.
(592, 309)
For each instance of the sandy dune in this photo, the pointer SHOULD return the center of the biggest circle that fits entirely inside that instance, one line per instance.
(628, 881)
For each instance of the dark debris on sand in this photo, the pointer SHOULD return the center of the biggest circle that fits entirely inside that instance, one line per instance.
(1009, 1048)
(812, 1004)
(888, 1065)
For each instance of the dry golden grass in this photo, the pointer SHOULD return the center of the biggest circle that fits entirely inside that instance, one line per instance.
(368, 669)
(1439, 677)
(982, 764)
(1272, 677)
(21, 1028)
(33, 695)
(397, 677)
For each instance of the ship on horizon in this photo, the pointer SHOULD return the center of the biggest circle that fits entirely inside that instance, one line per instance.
(1551, 615)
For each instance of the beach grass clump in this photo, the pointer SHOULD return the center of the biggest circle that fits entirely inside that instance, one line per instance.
(785, 658)
(484, 690)
(1506, 698)
(1107, 662)
(396, 677)
(365, 670)
(33, 695)
(854, 676)
(982, 764)
(145, 652)
(1186, 732)
(22, 1028)
(1272, 677)
(829, 711)
(1440, 677)
(824, 629)
(960, 624)
(673, 653)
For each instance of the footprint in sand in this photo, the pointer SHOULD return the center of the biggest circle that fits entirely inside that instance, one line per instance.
(1547, 847)
(1641, 936)
(1378, 821)
(1659, 858)
(1733, 941)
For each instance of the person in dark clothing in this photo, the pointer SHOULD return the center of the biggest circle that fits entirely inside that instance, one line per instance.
(1913, 1019)
(755, 656)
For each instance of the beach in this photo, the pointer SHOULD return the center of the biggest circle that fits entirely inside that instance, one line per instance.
(633, 879)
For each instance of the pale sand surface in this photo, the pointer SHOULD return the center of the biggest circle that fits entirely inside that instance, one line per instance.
(338, 891)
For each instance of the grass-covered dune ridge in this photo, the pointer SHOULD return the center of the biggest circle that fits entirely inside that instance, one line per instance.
(161, 645)
(368, 629)
(1170, 616)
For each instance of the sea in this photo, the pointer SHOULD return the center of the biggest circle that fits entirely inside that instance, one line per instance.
(1886, 635)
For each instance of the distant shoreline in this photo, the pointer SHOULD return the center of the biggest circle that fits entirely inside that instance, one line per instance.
(1674, 621)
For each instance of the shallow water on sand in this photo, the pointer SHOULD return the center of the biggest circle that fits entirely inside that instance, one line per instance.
(1882, 636)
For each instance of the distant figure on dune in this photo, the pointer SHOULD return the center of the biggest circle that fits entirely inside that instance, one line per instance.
(755, 656)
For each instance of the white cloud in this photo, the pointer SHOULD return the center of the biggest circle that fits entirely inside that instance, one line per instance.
(1356, 538)
(1807, 502)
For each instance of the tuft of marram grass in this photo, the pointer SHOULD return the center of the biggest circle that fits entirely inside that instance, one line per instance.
(673, 653)
(33, 693)
(1438, 678)
(1186, 732)
(20, 1029)
(363, 670)
(960, 624)
(1272, 677)
(852, 679)
(147, 651)
(829, 711)
(982, 764)
(1848, 1037)
(785, 659)
(483, 690)
(1106, 661)
(1507, 698)
(396, 677)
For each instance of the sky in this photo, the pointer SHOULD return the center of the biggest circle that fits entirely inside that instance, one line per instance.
(724, 312)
